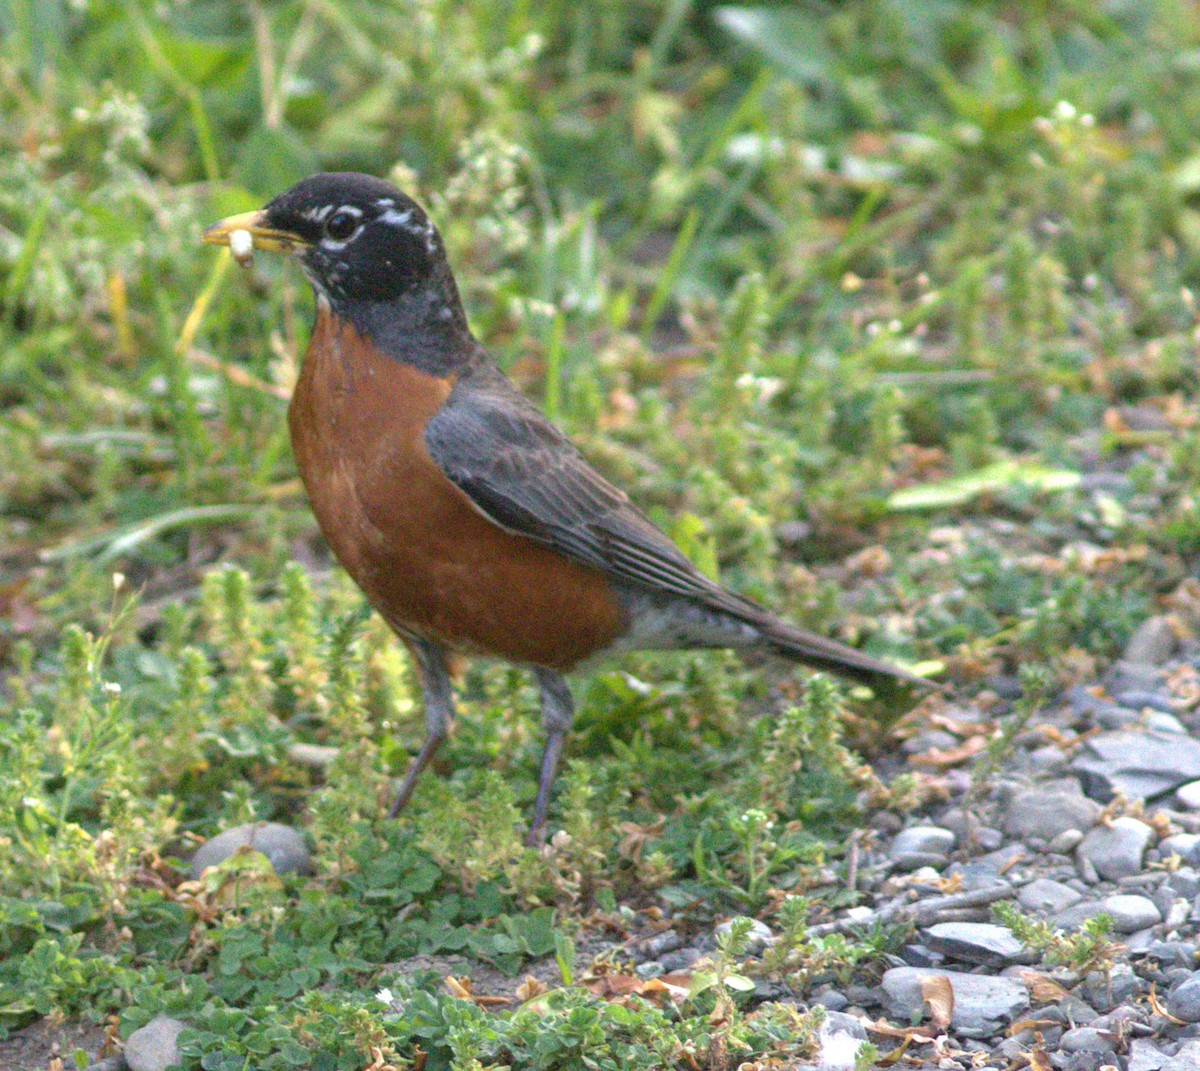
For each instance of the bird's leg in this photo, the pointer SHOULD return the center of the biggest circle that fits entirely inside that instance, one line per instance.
(439, 711)
(558, 710)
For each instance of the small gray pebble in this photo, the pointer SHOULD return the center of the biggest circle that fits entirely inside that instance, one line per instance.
(1164, 723)
(1152, 644)
(1130, 676)
(1175, 916)
(1116, 850)
(1145, 1056)
(1048, 759)
(930, 740)
(667, 941)
(1188, 796)
(1046, 812)
(929, 839)
(679, 961)
(1066, 842)
(975, 942)
(1081, 1061)
(1172, 953)
(912, 861)
(1184, 882)
(1139, 698)
(1184, 1000)
(1073, 1010)
(864, 995)
(833, 1001)
(284, 847)
(836, 1022)
(1107, 991)
(1086, 1039)
(1016, 1052)
(1114, 717)
(154, 1047)
(1049, 897)
(920, 956)
(1141, 940)
(988, 839)
(1073, 917)
(652, 968)
(1181, 844)
(1187, 1058)
(1130, 913)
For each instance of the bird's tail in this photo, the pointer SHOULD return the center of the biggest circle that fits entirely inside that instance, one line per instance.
(796, 644)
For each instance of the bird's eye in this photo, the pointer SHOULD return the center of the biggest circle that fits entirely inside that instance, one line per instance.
(342, 224)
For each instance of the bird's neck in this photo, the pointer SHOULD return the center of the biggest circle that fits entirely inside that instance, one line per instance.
(426, 329)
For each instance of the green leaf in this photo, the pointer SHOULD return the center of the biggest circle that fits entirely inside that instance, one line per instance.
(942, 494)
(564, 954)
(789, 40)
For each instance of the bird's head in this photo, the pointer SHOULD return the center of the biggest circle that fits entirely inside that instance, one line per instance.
(366, 248)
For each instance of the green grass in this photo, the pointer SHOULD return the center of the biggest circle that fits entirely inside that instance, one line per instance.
(768, 264)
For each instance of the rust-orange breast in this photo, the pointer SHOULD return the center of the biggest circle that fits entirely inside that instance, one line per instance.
(426, 559)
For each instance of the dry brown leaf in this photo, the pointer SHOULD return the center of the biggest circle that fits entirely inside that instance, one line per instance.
(1158, 1009)
(609, 986)
(1038, 1060)
(378, 1063)
(530, 988)
(1013, 860)
(1032, 1025)
(938, 758)
(938, 995)
(968, 725)
(884, 1028)
(660, 985)
(1042, 988)
(894, 1056)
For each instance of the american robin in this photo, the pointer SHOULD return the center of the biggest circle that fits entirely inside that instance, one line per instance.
(470, 521)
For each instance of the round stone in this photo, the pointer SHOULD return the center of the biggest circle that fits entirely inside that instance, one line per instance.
(1116, 850)
(1047, 896)
(1184, 1001)
(931, 839)
(1047, 812)
(154, 1047)
(1130, 913)
(283, 847)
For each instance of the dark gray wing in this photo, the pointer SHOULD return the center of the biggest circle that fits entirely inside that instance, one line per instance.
(522, 473)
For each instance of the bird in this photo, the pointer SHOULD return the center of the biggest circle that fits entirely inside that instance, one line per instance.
(471, 523)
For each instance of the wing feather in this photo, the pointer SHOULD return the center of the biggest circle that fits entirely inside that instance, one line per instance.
(527, 477)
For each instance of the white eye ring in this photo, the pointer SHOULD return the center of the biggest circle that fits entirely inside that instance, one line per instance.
(343, 224)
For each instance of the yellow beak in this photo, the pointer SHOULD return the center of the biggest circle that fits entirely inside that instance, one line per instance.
(264, 237)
